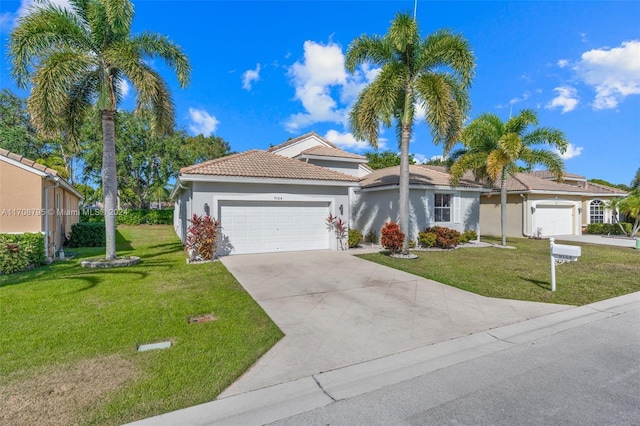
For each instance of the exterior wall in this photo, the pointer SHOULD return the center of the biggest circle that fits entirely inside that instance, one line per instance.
(62, 208)
(586, 205)
(20, 199)
(490, 215)
(182, 212)
(522, 222)
(207, 196)
(372, 209)
(346, 167)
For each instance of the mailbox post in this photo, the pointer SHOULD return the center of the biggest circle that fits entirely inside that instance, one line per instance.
(560, 254)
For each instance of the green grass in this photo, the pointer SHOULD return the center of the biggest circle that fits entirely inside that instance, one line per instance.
(63, 314)
(600, 273)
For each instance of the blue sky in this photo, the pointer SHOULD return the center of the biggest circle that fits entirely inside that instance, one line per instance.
(265, 71)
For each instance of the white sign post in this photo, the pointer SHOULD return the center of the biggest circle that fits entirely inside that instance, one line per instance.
(562, 254)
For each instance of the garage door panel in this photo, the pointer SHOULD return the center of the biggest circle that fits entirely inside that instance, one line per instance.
(261, 227)
(554, 220)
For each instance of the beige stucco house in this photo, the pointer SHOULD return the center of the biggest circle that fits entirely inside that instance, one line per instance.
(34, 198)
(538, 205)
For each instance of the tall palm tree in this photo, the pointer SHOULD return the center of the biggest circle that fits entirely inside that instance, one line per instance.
(79, 57)
(434, 72)
(493, 148)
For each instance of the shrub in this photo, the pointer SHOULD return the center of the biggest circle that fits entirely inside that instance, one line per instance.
(338, 227)
(608, 228)
(87, 234)
(202, 235)
(471, 235)
(392, 238)
(355, 238)
(19, 251)
(412, 244)
(445, 238)
(371, 237)
(427, 239)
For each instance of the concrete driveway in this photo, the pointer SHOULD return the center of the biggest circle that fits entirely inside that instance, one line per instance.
(604, 240)
(337, 310)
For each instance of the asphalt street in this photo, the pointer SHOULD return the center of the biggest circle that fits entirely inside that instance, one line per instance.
(585, 375)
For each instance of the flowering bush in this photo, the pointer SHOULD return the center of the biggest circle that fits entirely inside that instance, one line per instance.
(392, 238)
(202, 235)
(445, 238)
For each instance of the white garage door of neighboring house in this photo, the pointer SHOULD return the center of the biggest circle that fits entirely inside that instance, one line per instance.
(554, 220)
(266, 227)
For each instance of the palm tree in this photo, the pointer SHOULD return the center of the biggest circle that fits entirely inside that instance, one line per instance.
(79, 57)
(493, 148)
(630, 206)
(434, 72)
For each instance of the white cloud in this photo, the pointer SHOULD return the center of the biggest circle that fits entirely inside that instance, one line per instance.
(420, 112)
(8, 20)
(202, 122)
(348, 142)
(567, 99)
(614, 73)
(563, 63)
(249, 76)
(571, 152)
(124, 87)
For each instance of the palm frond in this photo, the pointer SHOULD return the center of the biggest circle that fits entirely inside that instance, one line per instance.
(474, 161)
(496, 162)
(436, 95)
(153, 45)
(119, 15)
(45, 29)
(365, 49)
(445, 49)
(548, 136)
(363, 119)
(549, 159)
(519, 123)
(403, 33)
(510, 144)
(80, 97)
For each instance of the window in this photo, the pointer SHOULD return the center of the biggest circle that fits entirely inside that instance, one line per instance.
(596, 212)
(442, 211)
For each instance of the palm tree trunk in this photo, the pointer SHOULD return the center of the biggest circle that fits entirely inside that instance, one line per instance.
(109, 181)
(503, 207)
(403, 203)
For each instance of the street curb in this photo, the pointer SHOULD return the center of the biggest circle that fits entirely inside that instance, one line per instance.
(287, 399)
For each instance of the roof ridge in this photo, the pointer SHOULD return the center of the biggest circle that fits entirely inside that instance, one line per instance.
(297, 139)
(216, 160)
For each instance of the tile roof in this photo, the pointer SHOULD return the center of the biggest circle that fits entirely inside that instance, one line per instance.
(531, 181)
(325, 151)
(27, 162)
(263, 164)
(418, 175)
(546, 174)
(298, 139)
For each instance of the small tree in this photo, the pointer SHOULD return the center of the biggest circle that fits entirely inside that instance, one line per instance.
(338, 227)
(202, 236)
(630, 206)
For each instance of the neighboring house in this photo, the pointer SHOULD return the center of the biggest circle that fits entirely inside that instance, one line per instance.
(538, 205)
(432, 200)
(34, 198)
(279, 200)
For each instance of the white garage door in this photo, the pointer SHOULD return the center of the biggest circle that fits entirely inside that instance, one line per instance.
(266, 227)
(554, 220)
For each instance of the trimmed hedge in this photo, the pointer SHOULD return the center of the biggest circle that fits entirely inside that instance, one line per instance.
(608, 228)
(87, 235)
(19, 251)
(131, 216)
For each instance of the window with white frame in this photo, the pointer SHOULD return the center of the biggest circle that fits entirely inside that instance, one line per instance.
(442, 207)
(596, 212)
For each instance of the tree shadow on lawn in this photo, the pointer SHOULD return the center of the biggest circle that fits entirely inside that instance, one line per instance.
(122, 243)
(546, 285)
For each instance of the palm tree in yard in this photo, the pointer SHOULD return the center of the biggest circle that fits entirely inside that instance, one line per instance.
(434, 72)
(492, 150)
(79, 57)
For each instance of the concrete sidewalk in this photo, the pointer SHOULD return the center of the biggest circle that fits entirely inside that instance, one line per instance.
(287, 399)
(338, 310)
(604, 240)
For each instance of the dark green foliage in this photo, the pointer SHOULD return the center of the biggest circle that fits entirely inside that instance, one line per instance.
(131, 216)
(427, 239)
(355, 238)
(608, 228)
(380, 160)
(468, 235)
(372, 237)
(19, 251)
(85, 234)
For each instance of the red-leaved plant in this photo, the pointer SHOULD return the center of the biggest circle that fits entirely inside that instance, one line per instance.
(202, 235)
(392, 238)
(338, 227)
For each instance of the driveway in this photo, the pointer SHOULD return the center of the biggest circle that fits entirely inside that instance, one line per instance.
(605, 240)
(337, 310)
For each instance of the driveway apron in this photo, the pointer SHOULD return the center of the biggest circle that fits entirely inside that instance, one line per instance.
(337, 310)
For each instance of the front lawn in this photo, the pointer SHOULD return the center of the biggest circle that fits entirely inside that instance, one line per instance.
(69, 335)
(524, 273)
